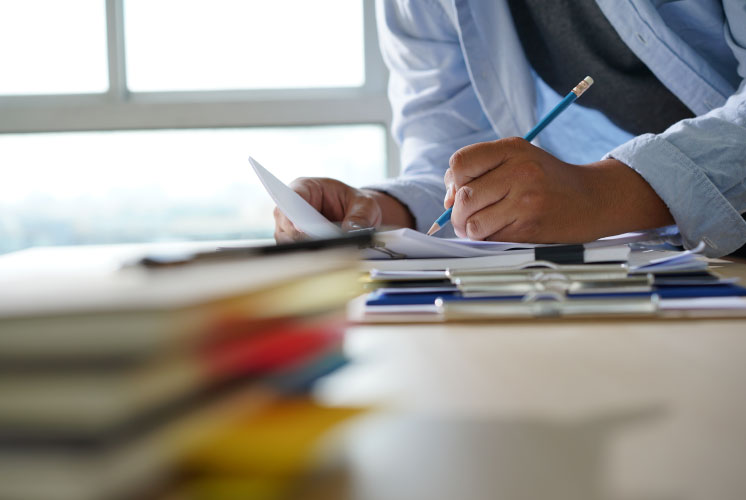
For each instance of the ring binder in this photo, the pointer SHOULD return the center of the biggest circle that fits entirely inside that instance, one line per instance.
(547, 307)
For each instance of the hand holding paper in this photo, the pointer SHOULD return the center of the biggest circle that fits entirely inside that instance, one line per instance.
(354, 208)
(305, 217)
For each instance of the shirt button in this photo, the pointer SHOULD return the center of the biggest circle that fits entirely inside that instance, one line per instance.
(641, 38)
(709, 242)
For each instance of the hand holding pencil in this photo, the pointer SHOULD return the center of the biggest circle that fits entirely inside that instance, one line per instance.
(576, 92)
(511, 190)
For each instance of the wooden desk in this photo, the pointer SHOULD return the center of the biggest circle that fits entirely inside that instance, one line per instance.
(643, 410)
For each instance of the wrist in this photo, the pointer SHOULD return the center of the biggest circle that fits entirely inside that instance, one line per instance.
(626, 202)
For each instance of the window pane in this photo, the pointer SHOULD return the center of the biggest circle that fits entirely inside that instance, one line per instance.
(243, 44)
(53, 47)
(108, 187)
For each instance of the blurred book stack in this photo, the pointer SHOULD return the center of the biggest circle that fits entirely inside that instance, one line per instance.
(128, 382)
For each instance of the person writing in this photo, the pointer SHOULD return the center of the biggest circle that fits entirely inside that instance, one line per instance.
(660, 139)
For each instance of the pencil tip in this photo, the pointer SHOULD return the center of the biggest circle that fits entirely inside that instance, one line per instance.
(433, 229)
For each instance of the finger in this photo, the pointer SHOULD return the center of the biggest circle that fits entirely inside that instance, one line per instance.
(450, 195)
(508, 221)
(282, 237)
(482, 192)
(328, 196)
(310, 190)
(361, 212)
(475, 160)
(448, 177)
(282, 223)
(285, 229)
(289, 236)
(488, 222)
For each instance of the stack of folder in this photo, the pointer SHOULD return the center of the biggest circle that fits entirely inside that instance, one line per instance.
(193, 377)
(648, 282)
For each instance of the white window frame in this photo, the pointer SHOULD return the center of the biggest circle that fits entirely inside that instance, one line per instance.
(120, 109)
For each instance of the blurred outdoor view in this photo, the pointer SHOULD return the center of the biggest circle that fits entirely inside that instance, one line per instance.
(114, 187)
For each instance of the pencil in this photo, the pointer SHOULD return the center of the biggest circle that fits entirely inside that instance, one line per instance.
(559, 108)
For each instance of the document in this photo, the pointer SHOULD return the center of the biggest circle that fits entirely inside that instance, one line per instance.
(659, 261)
(406, 243)
(299, 211)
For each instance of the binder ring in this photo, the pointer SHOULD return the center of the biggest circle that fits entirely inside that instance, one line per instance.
(536, 296)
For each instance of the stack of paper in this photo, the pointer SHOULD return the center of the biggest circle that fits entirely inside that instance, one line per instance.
(113, 379)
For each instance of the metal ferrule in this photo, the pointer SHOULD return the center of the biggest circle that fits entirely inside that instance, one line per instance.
(581, 87)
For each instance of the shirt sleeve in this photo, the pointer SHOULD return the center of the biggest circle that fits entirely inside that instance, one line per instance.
(435, 108)
(698, 166)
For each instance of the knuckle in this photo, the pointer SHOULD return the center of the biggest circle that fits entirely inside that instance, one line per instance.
(532, 171)
(457, 160)
(300, 181)
(515, 143)
(367, 199)
(464, 196)
(474, 228)
(306, 185)
(532, 202)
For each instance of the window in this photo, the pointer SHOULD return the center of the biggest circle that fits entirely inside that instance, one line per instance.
(41, 54)
(239, 44)
(132, 120)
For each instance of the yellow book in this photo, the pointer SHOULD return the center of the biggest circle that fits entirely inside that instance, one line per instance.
(281, 440)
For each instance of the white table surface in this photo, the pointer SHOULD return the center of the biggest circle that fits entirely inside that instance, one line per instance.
(586, 410)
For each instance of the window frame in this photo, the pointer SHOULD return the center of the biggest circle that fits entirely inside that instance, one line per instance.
(121, 109)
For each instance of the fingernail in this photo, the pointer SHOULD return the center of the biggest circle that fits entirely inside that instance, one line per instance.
(355, 225)
(449, 189)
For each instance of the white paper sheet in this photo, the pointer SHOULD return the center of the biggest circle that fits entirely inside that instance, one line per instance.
(652, 261)
(415, 245)
(299, 211)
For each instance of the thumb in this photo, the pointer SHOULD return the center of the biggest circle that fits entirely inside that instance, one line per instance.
(362, 213)
(353, 223)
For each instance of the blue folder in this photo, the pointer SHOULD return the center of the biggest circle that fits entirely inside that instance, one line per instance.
(379, 298)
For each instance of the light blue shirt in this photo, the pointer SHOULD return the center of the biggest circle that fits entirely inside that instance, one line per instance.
(459, 76)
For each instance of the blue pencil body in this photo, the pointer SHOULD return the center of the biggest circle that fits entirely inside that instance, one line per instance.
(559, 108)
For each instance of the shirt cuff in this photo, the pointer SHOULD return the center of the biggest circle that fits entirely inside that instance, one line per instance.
(698, 207)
